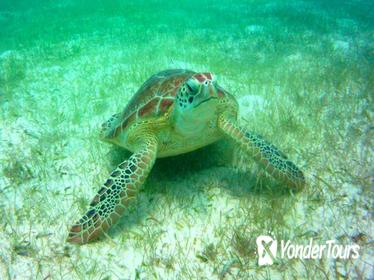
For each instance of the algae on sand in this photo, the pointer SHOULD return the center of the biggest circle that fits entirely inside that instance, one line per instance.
(303, 75)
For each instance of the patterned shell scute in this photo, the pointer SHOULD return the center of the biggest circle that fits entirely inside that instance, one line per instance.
(153, 99)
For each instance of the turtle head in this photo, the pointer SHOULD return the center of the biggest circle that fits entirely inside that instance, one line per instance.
(196, 102)
(198, 92)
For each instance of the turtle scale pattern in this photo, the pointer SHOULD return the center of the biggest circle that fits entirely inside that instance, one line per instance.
(153, 98)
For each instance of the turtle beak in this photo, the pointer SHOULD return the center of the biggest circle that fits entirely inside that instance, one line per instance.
(207, 93)
(205, 100)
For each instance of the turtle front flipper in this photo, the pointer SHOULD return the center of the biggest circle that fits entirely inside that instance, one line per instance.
(266, 154)
(110, 202)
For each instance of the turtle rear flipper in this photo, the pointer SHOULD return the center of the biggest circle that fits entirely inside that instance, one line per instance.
(266, 154)
(110, 202)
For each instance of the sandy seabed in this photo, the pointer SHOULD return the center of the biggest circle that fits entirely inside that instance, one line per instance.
(303, 79)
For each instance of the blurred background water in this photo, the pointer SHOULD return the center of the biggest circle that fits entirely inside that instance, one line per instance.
(303, 74)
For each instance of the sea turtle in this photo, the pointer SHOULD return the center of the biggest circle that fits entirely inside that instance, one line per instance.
(173, 112)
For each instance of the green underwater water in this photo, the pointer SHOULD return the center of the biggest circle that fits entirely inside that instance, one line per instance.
(302, 72)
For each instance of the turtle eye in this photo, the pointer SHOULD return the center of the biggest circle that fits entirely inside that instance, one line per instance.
(189, 88)
(192, 88)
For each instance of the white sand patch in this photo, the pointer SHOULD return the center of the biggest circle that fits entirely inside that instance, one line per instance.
(249, 105)
(341, 45)
(252, 29)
